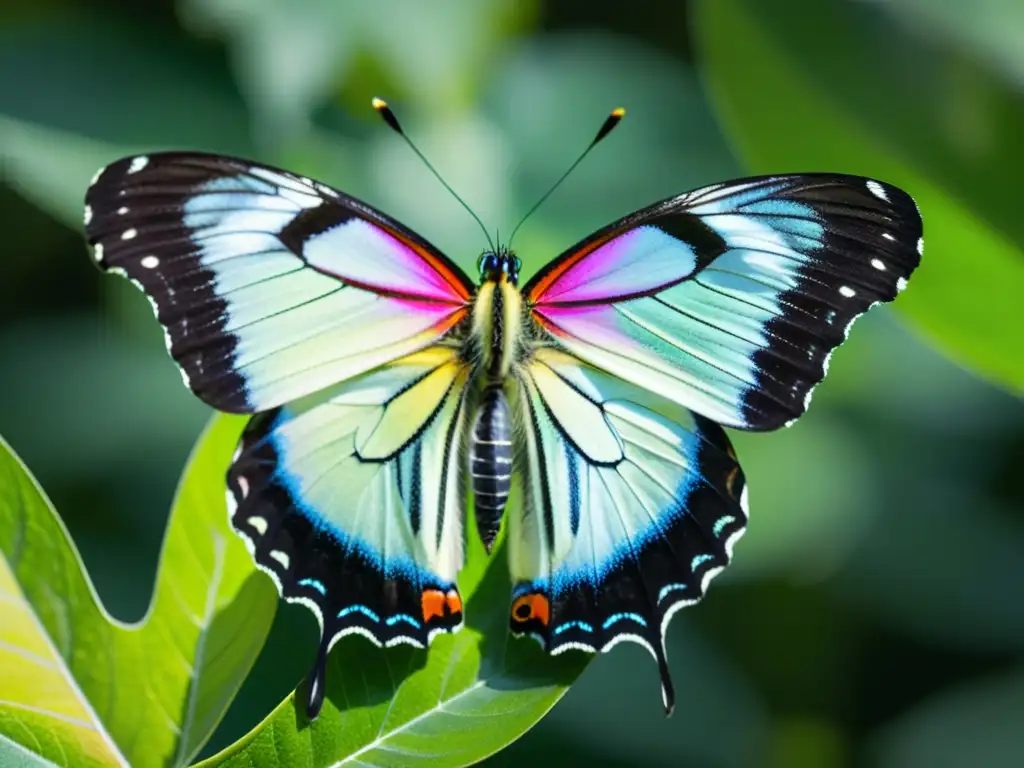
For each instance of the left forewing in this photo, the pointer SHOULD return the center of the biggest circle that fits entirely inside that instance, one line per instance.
(631, 506)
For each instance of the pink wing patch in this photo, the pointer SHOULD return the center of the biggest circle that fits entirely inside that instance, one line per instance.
(638, 262)
(368, 256)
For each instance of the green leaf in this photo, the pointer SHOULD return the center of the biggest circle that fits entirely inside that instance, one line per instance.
(965, 296)
(76, 680)
(466, 697)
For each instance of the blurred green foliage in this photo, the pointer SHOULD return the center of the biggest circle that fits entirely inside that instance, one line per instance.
(873, 615)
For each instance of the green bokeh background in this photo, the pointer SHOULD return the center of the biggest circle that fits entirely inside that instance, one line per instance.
(875, 611)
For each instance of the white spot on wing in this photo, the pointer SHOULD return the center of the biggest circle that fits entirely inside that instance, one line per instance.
(877, 190)
(901, 283)
(737, 535)
(259, 523)
(887, 236)
(128, 234)
(138, 163)
(243, 486)
(281, 557)
(878, 264)
(847, 291)
(920, 246)
(97, 252)
(150, 262)
(88, 214)
(96, 176)
(122, 210)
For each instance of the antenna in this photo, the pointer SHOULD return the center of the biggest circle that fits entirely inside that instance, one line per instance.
(606, 127)
(389, 117)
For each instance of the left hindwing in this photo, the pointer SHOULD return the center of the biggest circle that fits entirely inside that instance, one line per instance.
(352, 499)
(631, 506)
(730, 299)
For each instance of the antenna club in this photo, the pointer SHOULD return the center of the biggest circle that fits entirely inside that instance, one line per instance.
(613, 119)
(388, 116)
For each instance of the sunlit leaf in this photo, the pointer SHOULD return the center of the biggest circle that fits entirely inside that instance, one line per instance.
(465, 698)
(965, 297)
(66, 663)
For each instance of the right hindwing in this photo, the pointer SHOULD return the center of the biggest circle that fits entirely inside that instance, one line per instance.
(631, 504)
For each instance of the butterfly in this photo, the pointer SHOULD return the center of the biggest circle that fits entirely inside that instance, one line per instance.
(387, 387)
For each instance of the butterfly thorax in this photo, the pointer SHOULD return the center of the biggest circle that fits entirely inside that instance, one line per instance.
(497, 320)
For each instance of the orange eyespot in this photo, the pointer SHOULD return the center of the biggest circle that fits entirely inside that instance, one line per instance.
(436, 603)
(432, 601)
(453, 601)
(531, 606)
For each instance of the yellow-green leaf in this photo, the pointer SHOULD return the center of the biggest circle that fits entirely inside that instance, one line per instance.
(144, 694)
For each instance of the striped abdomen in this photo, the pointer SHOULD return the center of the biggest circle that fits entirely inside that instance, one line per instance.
(490, 461)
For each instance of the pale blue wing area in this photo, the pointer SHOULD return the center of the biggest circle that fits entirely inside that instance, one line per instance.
(270, 286)
(631, 505)
(352, 499)
(769, 275)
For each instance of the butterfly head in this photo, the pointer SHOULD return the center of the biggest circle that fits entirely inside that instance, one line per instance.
(497, 264)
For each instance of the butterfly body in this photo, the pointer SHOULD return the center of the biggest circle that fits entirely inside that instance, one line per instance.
(496, 347)
(386, 386)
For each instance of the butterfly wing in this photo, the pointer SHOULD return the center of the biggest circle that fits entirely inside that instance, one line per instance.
(731, 299)
(352, 500)
(269, 285)
(631, 506)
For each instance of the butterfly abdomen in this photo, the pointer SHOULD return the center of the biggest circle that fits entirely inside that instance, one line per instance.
(490, 461)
